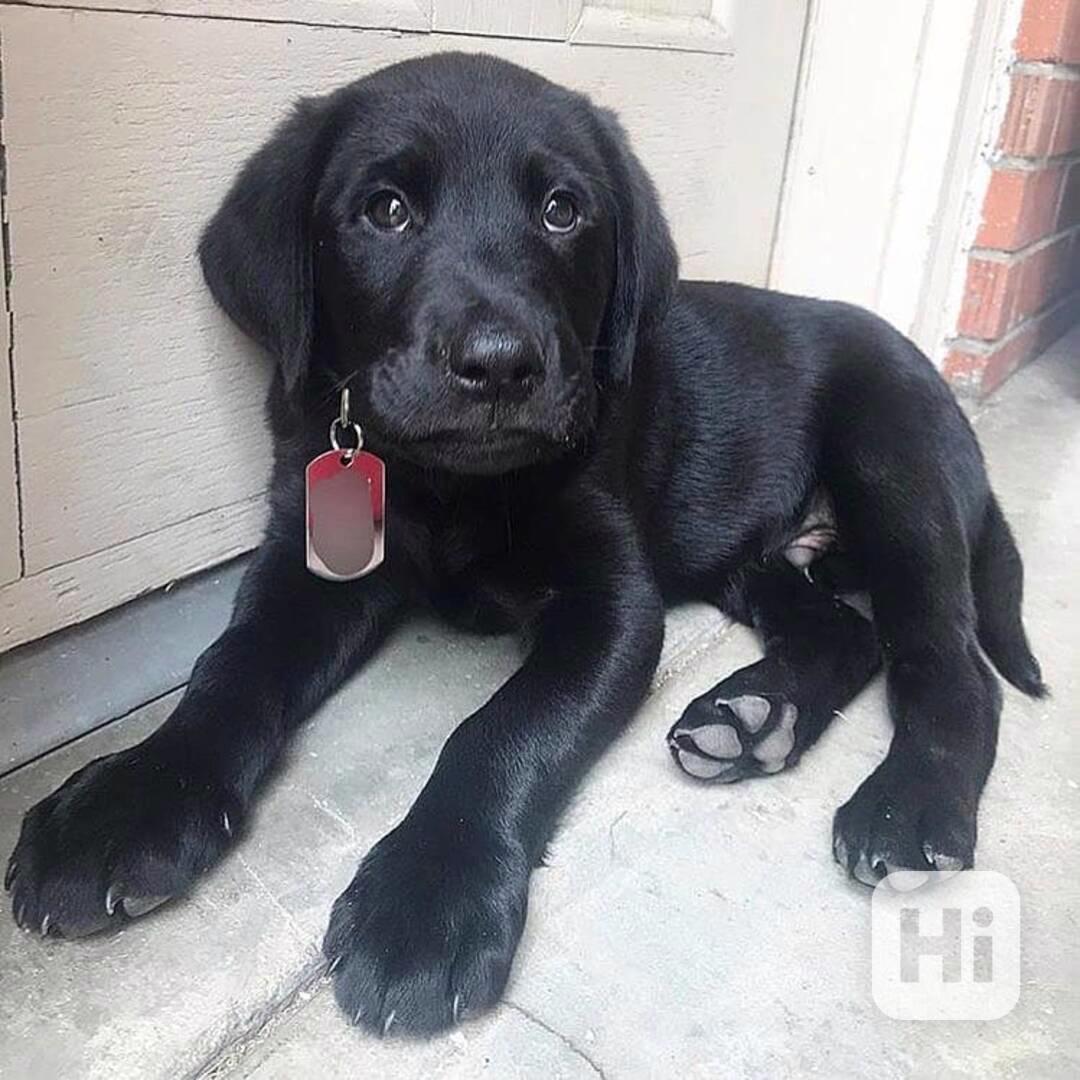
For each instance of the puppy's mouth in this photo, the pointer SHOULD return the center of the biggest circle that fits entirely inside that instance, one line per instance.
(484, 453)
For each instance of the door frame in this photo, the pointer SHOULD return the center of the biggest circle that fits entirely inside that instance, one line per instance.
(929, 200)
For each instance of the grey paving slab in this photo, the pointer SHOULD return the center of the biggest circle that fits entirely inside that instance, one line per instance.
(76, 680)
(166, 995)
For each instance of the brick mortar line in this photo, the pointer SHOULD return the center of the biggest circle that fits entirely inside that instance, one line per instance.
(1047, 69)
(997, 255)
(1018, 163)
(983, 348)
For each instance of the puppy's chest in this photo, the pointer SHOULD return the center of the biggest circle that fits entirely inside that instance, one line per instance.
(464, 539)
(483, 575)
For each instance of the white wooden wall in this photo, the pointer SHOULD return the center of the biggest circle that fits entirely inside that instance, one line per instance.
(9, 509)
(140, 449)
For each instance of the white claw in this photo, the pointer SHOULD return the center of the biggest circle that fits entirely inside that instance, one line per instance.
(45, 925)
(864, 872)
(357, 1017)
(456, 1008)
(110, 901)
(940, 861)
(389, 1020)
(840, 851)
(334, 963)
(225, 821)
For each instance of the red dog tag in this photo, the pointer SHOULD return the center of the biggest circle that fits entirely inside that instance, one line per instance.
(346, 514)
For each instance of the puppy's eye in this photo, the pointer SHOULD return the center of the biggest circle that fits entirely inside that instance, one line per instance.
(560, 212)
(388, 211)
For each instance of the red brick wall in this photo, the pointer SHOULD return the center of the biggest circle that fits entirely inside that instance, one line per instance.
(1023, 275)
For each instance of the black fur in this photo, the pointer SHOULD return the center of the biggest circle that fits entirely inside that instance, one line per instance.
(573, 439)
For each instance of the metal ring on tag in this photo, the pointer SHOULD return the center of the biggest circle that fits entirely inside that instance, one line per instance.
(347, 451)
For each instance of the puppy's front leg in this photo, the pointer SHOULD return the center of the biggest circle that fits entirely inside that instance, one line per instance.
(136, 827)
(428, 928)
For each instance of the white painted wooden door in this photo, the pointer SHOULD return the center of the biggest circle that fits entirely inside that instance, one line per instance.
(137, 407)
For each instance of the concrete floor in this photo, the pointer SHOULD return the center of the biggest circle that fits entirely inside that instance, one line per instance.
(679, 930)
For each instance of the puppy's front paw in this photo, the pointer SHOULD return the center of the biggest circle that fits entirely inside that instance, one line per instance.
(904, 817)
(427, 930)
(121, 836)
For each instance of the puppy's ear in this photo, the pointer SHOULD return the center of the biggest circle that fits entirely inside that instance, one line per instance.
(256, 251)
(646, 265)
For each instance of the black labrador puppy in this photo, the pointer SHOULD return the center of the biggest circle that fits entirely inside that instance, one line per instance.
(573, 439)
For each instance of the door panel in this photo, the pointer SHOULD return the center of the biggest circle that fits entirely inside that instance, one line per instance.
(115, 164)
(839, 208)
(690, 25)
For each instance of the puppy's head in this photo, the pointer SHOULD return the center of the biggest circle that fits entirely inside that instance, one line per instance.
(476, 250)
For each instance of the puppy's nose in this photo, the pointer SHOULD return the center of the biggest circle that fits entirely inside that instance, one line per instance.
(490, 361)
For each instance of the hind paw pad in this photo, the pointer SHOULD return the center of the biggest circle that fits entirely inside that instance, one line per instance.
(728, 739)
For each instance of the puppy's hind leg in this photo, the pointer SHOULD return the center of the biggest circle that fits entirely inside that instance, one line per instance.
(916, 510)
(917, 809)
(819, 653)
